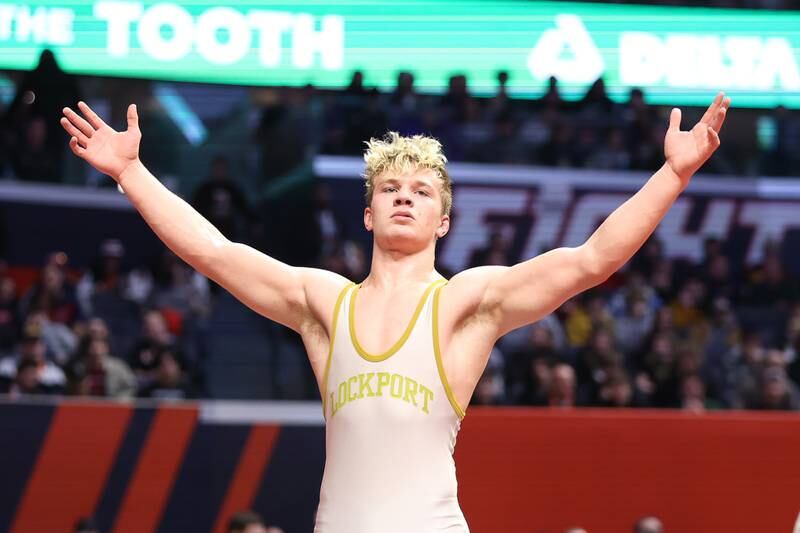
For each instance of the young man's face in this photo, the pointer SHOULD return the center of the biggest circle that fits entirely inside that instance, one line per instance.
(406, 211)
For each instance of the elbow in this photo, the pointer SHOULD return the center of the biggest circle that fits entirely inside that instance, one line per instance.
(209, 260)
(595, 268)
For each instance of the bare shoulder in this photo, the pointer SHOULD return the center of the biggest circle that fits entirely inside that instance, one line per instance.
(464, 298)
(322, 288)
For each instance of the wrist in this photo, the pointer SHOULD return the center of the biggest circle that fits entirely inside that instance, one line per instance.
(671, 175)
(133, 167)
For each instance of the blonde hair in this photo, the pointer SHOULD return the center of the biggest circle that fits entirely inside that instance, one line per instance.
(406, 154)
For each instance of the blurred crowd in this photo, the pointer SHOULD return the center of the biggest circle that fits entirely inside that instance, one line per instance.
(103, 332)
(661, 333)
(591, 132)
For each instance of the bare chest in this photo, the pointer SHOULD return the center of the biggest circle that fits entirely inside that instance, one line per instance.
(379, 322)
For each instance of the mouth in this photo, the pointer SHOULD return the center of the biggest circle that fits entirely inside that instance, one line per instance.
(403, 214)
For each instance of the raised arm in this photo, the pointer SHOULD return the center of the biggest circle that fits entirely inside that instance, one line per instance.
(270, 287)
(511, 297)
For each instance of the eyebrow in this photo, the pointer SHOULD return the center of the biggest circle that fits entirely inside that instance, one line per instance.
(395, 181)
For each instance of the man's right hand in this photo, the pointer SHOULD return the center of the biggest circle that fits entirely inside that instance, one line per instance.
(109, 151)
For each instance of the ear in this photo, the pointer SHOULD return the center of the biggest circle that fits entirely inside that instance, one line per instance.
(444, 227)
(368, 218)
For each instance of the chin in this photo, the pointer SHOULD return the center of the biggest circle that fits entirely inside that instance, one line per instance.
(401, 240)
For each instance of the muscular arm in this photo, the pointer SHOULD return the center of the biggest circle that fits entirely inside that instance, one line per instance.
(510, 297)
(266, 285)
(270, 287)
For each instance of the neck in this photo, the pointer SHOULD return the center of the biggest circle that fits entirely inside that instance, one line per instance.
(390, 268)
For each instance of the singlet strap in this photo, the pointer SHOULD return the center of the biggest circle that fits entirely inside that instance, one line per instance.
(375, 358)
(332, 335)
(438, 354)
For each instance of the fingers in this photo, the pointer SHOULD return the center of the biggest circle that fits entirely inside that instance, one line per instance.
(76, 148)
(74, 132)
(133, 117)
(79, 122)
(675, 119)
(719, 118)
(711, 112)
(713, 138)
(94, 120)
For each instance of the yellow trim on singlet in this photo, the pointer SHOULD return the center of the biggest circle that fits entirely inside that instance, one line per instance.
(330, 347)
(438, 353)
(399, 344)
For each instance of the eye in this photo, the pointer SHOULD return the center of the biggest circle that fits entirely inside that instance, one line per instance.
(389, 189)
(423, 193)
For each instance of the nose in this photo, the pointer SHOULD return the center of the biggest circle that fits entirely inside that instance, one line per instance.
(402, 198)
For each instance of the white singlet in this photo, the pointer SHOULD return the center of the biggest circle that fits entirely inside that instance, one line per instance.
(391, 426)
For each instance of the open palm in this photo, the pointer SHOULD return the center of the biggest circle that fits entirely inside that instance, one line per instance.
(94, 141)
(686, 151)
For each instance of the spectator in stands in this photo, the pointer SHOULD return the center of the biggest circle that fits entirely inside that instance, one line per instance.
(768, 285)
(37, 147)
(53, 294)
(491, 388)
(561, 392)
(95, 372)
(170, 381)
(657, 381)
(633, 326)
(721, 351)
(329, 223)
(34, 158)
(528, 368)
(779, 153)
(31, 351)
(648, 524)
(595, 362)
(404, 109)
(347, 258)
(496, 252)
(595, 107)
(500, 104)
(26, 382)
(108, 278)
(154, 338)
(9, 314)
(649, 257)
(223, 202)
(613, 155)
(179, 288)
(693, 394)
(275, 128)
(687, 312)
(246, 522)
(616, 390)
(96, 328)
(747, 373)
(365, 119)
(718, 279)
(551, 97)
(776, 392)
(558, 150)
(577, 322)
(59, 340)
(356, 85)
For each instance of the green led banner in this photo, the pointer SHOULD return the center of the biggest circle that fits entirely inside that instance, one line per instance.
(678, 55)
